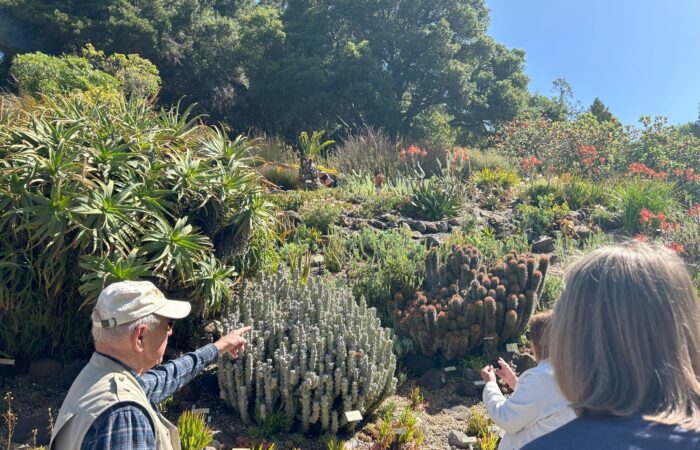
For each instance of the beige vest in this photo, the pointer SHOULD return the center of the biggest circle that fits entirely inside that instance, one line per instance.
(101, 384)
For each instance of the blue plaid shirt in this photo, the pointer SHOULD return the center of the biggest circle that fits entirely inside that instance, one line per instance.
(127, 426)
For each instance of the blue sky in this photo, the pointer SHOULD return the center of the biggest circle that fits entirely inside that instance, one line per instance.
(641, 57)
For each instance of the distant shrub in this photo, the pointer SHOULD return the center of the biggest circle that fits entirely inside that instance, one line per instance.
(37, 73)
(368, 152)
(321, 214)
(635, 195)
(496, 178)
(285, 177)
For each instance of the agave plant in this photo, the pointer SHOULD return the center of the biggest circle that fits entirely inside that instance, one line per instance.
(434, 199)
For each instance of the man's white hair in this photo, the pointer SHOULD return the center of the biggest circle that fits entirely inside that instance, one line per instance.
(100, 334)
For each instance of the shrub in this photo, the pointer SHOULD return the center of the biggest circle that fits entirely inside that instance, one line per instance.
(684, 235)
(464, 304)
(581, 193)
(285, 177)
(313, 354)
(92, 193)
(383, 264)
(194, 432)
(38, 73)
(543, 188)
(637, 194)
(320, 214)
(496, 178)
(539, 220)
(435, 199)
(469, 161)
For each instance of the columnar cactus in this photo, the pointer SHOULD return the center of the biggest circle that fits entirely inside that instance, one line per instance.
(314, 354)
(465, 304)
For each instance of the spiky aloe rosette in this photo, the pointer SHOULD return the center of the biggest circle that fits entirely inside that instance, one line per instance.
(465, 304)
(314, 353)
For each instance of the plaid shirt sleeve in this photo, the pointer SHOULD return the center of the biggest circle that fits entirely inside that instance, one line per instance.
(127, 426)
(121, 427)
(164, 380)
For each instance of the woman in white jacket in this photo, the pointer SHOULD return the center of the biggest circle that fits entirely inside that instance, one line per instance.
(536, 406)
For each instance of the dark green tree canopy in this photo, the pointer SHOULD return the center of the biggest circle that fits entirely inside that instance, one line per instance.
(412, 67)
(600, 111)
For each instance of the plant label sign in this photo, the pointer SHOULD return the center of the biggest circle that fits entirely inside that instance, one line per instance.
(399, 431)
(479, 383)
(7, 362)
(470, 440)
(513, 348)
(353, 416)
(450, 369)
(202, 411)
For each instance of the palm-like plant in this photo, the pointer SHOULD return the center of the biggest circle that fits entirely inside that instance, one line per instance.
(96, 190)
(309, 148)
(175, 248)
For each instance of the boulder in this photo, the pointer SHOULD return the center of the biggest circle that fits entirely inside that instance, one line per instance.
(458, 439)
(442, 227)
(460, 413)
(419, 364)
(431, 227)
(544, 244)
(432, 379)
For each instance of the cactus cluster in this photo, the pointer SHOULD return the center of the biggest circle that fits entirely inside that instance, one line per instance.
(314, 354)
(464, 304)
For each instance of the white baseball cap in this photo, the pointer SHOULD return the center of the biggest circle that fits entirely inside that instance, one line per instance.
(127, 301)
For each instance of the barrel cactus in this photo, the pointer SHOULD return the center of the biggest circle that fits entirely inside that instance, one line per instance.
(314, 353)
(465, 305)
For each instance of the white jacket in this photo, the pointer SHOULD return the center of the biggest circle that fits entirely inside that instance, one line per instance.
(535, 408)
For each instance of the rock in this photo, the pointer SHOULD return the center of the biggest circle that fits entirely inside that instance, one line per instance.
(214, 445)
(523, 362)
(26, 424)
(467, 388)
(375, 223)
(442, 227)
(432, 379)
(45, 367)
(458, 439)
(391, 225)
(583, 232)
(469, 374)
(71, 371)
(455, 222)
(416, 235)
(544, 245)
(416, 225)
(430, 227)
(419, 364)
(215, 328)
(610, 221)
(459, 412)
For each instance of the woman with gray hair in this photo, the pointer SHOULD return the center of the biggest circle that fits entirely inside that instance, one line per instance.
(625, 347)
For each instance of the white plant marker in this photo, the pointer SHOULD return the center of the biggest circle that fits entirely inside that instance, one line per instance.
(7, 362)
(479, 383)
(513, 348)
(353, 416)
(450, 369)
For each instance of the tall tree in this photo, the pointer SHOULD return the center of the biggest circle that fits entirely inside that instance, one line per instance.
(600, 111)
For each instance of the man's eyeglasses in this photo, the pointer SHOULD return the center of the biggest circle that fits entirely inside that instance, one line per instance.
(171, 323)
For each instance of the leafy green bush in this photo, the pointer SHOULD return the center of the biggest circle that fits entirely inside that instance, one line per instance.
(544, 188)
(496, 178)
(539, 220)
(95, 192)
(135, 75)
(320, 214)
(581, 193)
(435, 199)
(37, 73)
(684, 236)
(368, 152)
(194, 432)
(634, 195)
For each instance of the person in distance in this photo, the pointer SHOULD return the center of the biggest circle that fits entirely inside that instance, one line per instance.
(536, 406)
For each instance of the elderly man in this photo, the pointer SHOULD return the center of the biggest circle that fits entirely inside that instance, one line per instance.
(113, 404)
